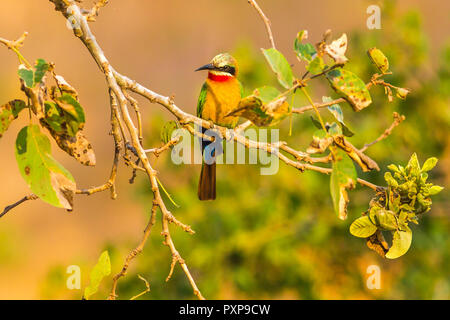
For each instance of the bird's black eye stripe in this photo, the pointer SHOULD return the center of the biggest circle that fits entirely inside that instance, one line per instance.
(229, 69)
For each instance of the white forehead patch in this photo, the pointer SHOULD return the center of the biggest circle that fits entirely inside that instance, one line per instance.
(220, 73)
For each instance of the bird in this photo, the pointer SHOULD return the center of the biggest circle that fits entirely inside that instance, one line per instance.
(220, 95)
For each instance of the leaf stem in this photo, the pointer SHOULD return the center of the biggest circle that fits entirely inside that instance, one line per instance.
(167, 193)
(315, 109)
(21, 58)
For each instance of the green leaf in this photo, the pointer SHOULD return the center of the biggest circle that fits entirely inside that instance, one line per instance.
(267, 93)
(305, 51)
(167, 130)
(384, 219)
(100, 270)
(280, 66)
(343, 177)
(30, 77)
(49, 180)
(378, 59)
(403, 221)
(435, 190)
(350, 87)
(41, 68)
(400, 244)
(390, 180)
(394, 202)
(429, 164)
(68, 134)
(316, 123)
(64, 115)
(316, 66)
(54, 117)
(346, 131)
(336, 111)
(9, 112)
(393, 168)
(69, 104)
(362, 227)
(26, 75)
(334, 129)
(414, 164)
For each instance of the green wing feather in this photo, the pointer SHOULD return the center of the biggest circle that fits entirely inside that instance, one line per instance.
(201, 100)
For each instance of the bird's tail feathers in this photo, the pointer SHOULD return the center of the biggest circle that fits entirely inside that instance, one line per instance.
(207, 184)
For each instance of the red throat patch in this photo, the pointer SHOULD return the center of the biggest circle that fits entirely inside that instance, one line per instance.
(218, 78)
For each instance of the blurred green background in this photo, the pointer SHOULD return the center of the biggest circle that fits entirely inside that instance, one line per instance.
(265, 237)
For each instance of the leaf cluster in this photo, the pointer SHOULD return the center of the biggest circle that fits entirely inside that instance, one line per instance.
(59, 111)
(407, 196)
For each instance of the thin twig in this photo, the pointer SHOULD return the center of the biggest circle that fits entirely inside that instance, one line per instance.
(397, 120)
(168, 145)
(115, 131)
(265, 20)
(147, 288)
(14, 45)
(317, 105)
(12, 206)
(135, 252)
(93, 13)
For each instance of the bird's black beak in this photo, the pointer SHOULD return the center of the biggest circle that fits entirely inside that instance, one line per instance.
(208, 66)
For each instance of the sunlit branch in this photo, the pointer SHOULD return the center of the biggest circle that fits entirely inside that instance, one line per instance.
(12, 206)
(397, 120)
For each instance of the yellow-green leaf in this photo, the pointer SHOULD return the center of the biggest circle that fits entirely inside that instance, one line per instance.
(378, 59)
(280, 66)
(100, 270)
(343, 177)
(9, 112)
(69, 104)
(429, 164)
(362, 227)
(26, 75)
(304, 51)
(316, 66)
(30, 77)
(41, 68)
(48, 179)
(400, 244)
(435, 190)
(384, 219)
(350, 87)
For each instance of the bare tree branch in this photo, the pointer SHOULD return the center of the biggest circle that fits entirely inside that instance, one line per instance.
(397, 120)
(265, 19)
(135, 251)
(12, 206)
(147, 288)
(82, 30)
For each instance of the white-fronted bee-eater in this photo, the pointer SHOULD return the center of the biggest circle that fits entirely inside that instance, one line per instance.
(220, 95)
